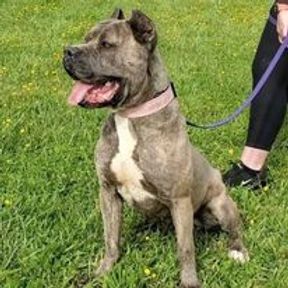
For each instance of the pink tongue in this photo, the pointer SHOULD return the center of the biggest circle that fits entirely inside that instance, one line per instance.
(78, 93)
(91, 93)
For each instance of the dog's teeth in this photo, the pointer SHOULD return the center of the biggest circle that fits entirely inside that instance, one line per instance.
(108, 83)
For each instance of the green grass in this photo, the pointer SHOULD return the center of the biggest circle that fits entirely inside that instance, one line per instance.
(51, 225)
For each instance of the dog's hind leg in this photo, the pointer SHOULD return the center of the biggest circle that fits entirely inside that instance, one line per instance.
(111, 208)
(222, 207)
(182, 215)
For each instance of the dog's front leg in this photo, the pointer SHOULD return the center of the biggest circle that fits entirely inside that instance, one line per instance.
(182, 215)
(111, 209)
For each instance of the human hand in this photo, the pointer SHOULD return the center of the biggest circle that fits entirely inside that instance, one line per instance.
(282, 25)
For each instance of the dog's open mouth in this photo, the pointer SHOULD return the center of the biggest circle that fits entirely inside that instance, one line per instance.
(94, 95)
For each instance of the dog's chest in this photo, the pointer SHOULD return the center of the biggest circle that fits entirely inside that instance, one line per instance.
(127, 172)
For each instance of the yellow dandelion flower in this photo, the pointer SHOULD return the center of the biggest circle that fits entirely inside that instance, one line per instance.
(57, 55)
(22, 131)
(231, 151)
(266, 188)
(154, 275)
(147, 238)
(147, 271)
(7, 202)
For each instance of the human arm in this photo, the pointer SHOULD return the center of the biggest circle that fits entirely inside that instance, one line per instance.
(282, 19)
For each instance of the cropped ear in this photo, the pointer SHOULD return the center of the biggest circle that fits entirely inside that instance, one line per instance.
(118, 14)
(143, 29)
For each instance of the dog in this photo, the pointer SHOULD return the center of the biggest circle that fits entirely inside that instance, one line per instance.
(144, 156)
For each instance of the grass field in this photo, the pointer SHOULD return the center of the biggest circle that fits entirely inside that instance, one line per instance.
(51, 226)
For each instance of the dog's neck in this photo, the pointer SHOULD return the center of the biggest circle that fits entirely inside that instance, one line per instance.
(155, 94)
(157, 72)
(151, 106)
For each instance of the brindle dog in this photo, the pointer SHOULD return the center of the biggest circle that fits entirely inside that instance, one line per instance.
(146, 161)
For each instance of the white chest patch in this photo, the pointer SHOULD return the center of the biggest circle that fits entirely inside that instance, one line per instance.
(124, 167)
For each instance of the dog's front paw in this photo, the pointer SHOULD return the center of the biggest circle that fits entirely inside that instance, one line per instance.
(196, 285)
(190, 282)
(189, 278)
(105, 266)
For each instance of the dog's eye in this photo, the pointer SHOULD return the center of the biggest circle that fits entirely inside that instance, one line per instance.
(106, 44)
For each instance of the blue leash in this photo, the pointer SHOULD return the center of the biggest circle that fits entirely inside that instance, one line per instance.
(254, 93)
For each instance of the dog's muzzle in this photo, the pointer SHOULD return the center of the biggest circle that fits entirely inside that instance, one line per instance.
(71, 54)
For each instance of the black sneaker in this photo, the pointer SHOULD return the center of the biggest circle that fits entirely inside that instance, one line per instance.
(240, 175)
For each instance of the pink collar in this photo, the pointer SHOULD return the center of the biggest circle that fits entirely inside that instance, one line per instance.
(150, 107)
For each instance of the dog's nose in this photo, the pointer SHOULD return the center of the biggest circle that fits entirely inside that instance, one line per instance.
(71, 51)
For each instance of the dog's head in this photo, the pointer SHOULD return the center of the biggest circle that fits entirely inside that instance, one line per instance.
(111, 66)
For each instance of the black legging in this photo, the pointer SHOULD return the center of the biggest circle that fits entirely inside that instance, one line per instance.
(268, 110)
